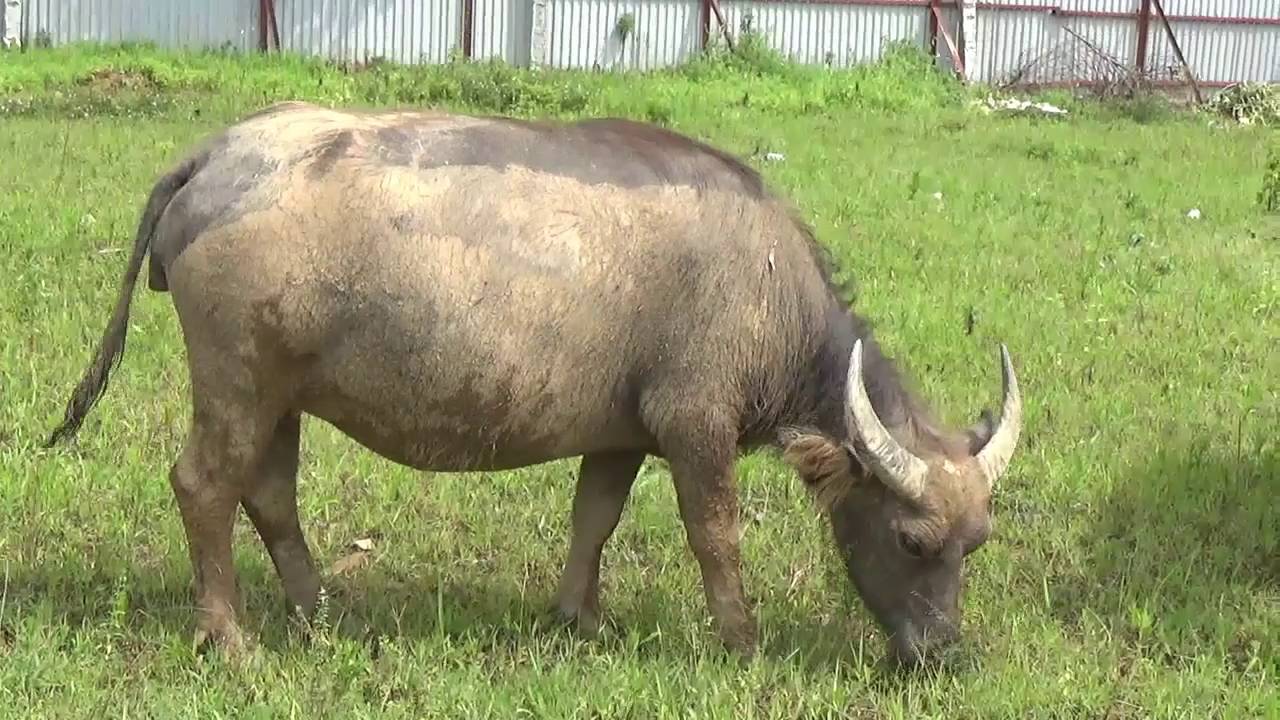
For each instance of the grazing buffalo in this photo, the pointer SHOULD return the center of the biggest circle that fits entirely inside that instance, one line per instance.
(468, 293)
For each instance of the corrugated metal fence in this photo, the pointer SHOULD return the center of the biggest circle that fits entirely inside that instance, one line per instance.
(173, 23)
(406, 31)
(1027, 42)
(1061, 41)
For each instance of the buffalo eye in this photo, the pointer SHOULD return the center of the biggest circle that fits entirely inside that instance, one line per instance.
(910, 545)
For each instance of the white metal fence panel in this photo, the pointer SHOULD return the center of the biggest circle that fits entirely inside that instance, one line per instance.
(500, 29)
(1103, 6)
(405, 31)
(1028, 41)
(1116, 37)
(1220, 53)
(594, 34)
(1223, 41)
(1254, 9)
(172, 24)
(838, 34)
(1012, 43)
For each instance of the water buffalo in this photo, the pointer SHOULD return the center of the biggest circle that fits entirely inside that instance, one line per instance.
(463, 293)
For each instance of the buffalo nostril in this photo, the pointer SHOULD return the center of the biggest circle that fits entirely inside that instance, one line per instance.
(912, 646)
(938, 638)
(906, 646)
(906, 655)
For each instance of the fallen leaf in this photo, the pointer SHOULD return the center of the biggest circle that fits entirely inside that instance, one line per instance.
(354, 560)
(349, 563)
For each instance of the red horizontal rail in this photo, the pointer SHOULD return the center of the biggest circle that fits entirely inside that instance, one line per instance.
(1111, 14)
(1226, 20)
(1050, 9)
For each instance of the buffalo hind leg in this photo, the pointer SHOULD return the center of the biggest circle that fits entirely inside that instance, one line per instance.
(270, 501)
(223, 448)
(604, 482)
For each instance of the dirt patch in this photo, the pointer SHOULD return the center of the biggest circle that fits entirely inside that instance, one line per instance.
(111, 80)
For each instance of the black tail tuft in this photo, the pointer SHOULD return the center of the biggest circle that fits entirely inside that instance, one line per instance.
(111, 349)
(95, 380)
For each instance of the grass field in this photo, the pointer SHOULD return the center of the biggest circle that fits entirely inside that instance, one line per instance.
(1135, 567)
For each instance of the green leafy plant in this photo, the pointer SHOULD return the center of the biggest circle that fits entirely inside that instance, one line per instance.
(1269, 196)
(1248, 104)
(625, 27)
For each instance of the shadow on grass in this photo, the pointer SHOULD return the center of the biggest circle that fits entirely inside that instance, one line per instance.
(87, 594)
(1182, 554)
(80, 594)
(499, 617)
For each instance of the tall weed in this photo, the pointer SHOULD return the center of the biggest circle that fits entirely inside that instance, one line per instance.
(1269, 195)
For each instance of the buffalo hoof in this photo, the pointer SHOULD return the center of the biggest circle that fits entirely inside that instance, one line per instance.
(341, 621)
(356, 628)
(584, 622)
(741, 640)
(227, 640)
(743, 649)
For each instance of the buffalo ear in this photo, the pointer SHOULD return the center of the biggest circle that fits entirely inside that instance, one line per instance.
(824, 465)
(980, 432)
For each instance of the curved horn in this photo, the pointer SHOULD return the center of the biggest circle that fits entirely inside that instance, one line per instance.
(896, 467)
(995, 457)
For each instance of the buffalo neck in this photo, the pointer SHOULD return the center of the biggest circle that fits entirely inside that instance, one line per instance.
(819, 400)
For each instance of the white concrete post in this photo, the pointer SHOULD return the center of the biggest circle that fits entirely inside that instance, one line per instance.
(538, 34)
(969, 26)
(11, 24)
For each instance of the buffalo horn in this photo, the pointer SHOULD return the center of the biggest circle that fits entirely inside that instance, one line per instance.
(897, 468)
(995, 457)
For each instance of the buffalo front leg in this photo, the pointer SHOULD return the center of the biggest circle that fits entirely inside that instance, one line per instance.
(706, 491)
(604, 482)
(270, 500)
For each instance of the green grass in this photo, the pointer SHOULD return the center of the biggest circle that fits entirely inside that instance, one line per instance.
(1135, 567)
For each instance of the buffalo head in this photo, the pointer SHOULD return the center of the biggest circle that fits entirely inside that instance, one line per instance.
(904, 520)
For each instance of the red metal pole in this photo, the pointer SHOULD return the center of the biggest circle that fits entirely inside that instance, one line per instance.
(724, 27)
(957, 54)
(1144, 29)
(268, 31)
(705, 18)
(1177, 51)
(275, 29)
(262, 25)
(931, 13)
(468, 19)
